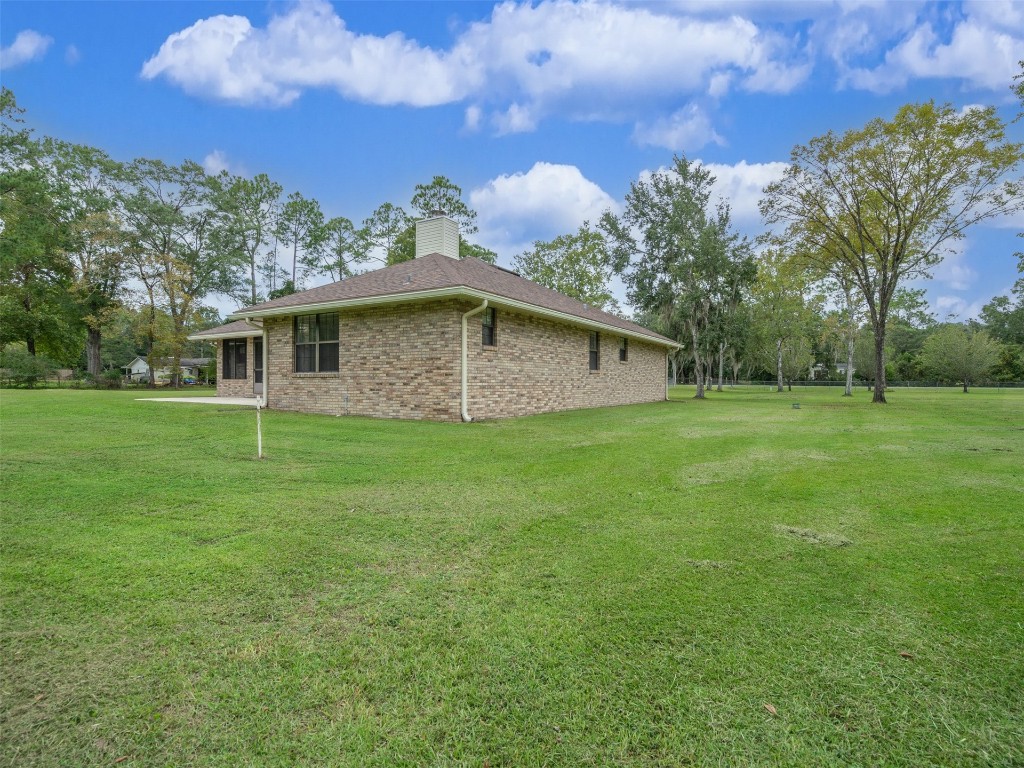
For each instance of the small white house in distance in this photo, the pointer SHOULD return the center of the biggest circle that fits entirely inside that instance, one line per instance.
(138, 369)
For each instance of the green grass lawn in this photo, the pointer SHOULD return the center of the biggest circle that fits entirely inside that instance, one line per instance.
(729, 582)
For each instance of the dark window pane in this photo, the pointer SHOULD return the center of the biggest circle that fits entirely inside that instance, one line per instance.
(328, 357)
(234, 359)
(624, 349)
(490, 324)
(305, 358)
(595, 351)
(327, 327)
(240, 359)
(305, 329)
(257, 360)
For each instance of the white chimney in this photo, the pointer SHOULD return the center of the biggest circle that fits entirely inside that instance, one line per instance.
(437, 234)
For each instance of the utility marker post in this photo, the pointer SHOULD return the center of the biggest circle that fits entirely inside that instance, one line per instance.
(259, 429)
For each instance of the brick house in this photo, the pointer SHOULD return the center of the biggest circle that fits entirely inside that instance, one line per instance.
(437, 338)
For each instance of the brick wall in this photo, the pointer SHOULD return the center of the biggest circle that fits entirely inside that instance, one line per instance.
(398, 362)
(540, 365)
(403, 361)
(234, 387)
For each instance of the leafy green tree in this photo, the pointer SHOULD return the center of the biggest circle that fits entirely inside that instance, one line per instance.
(884, 200)
(672, 251)
(1003, 316)
(120, 340)
(85, 181)
(1010, 366)
(173, 230)
(441, 194)
(728, 327)
(781, 311)
(301, 226)
(381, 231)
(575, 265)
(341, 250)
(285, 290)
(468, 250)
(248, 212)
(797, 359)
(960, 354)
(22, 368)
(851, 316)
(910, 323)
(35, 273)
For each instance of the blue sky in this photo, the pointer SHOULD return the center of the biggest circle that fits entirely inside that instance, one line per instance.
(543, 113)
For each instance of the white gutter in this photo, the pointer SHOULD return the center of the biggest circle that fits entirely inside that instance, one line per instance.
(465, 358)
(228, 335)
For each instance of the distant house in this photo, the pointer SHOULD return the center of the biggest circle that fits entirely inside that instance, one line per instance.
(138, 369)
(437, 338)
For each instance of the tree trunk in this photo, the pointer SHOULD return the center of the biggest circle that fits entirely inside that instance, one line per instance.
(778, 363)
(721, 365)
(295, 258)
(151, 338)
(850, 343)
(698, 367)
(92, 352)
(965, 386)
(252, 277)
(879, 395)
(30, 339)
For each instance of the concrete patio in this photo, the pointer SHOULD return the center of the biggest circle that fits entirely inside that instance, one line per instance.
(249, 401)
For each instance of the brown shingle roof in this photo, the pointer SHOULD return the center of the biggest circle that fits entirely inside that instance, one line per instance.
(436, 272)
(239, 327)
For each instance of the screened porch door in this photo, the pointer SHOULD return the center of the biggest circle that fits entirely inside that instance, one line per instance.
(257, 366)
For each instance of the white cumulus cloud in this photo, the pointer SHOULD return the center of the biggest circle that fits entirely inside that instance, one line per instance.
(472, 119)
(956, 308)
(954, 271)
(226, 58)
(29, 45)
(687, 129)
(977, 52)
(215, 162)
(586, 60)
(544, 202)
(741, 185)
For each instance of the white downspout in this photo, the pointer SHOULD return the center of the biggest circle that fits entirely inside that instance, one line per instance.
(667, 364)
(266, 358)
(465, 358)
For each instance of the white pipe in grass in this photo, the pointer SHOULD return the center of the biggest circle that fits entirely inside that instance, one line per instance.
(259, 430)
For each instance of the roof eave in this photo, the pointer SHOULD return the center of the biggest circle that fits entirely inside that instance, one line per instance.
(229, 335)
(451, 292)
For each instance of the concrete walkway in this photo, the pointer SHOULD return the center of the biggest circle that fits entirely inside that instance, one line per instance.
(249, 401)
